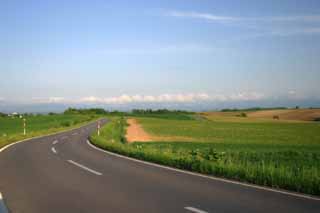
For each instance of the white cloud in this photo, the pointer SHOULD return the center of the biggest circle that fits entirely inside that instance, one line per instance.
(268, 26)
(197, 15)
(162, 98)
(305, 18)
(251, 96)
(146, 98)
(159, 49)
(92, 99)
(49, 100)
(172, 98)
(292, 92)
(214, 17)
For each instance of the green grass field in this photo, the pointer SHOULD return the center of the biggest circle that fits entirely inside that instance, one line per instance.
(278, 154)
(11, 129)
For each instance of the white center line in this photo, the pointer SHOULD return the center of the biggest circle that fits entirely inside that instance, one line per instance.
(54, 150)
(55, 142)
(84, 167)
(192, 209)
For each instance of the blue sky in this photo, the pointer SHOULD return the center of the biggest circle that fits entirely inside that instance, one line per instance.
(191, 51)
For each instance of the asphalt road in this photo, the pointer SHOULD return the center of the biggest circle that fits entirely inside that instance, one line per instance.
(63, 173)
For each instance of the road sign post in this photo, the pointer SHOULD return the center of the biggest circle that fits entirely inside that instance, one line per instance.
(24, 126)
(98, 128)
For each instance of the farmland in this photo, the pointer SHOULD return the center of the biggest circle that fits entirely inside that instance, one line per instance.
(280, 154)
(11, 128)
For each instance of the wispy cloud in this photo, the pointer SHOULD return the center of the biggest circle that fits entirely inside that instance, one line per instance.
(303, 18)
(197, 15)
(269, 25)
(165, 49)
(215, 17)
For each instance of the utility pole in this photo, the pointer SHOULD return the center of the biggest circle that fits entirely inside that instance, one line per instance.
(24, 126)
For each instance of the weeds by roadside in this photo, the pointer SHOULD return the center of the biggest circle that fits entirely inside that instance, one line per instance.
(296, 170)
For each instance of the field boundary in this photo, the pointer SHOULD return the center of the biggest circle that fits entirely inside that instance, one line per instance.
(51, 134)
(294, 194)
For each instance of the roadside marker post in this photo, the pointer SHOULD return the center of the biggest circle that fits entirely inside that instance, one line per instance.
(24, 126)
(98, 128)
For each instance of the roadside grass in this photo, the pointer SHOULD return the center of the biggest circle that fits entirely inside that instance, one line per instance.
(11, 129)
(276, 154)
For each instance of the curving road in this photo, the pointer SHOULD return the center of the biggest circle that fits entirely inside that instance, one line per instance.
(63, 173)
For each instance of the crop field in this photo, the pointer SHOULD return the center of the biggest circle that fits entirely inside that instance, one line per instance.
(11, 128)
(277, 154)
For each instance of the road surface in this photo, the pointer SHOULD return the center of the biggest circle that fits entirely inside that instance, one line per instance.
(63, 173)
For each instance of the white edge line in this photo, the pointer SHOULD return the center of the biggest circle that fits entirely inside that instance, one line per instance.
(3, 208)
(84, 167)
(54, 150)
(208, 177)
(42, 136)
(194, 209)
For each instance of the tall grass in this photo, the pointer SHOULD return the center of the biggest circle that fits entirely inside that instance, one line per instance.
(11, 129)
(288, 166)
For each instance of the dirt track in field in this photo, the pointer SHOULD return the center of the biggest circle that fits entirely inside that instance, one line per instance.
(136, 133)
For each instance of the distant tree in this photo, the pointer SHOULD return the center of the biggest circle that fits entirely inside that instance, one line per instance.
(243, 114)
(85, 111)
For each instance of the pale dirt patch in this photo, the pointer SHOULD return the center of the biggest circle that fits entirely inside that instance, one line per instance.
(135, 132)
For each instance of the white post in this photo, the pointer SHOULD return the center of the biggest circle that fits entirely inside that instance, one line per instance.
(98, 128)
(24, 126)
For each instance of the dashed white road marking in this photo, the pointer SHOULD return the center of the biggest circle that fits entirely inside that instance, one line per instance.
(55, 142)
(192, 209)
(3, 208)
(84, 167)
(54, 150)
(75, 133)
(64, 137)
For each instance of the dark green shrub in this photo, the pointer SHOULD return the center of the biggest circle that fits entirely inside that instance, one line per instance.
(65, 123)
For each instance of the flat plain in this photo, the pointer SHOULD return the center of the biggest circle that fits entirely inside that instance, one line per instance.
(278, 153)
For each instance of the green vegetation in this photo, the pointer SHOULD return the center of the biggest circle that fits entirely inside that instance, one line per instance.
(281, 155)
(11, 128)
(90, 111)
(160, 113)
